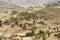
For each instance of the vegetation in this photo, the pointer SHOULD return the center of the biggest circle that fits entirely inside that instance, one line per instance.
(24, 27)
(0, 23)
(53, 10)
(7, 22)
(31, 21)
(12, 25)
(43, 35)
(14, 12)
(41, 22)
(33, 30)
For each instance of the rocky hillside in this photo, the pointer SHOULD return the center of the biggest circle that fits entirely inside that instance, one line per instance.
(4, 5)
(30, 2)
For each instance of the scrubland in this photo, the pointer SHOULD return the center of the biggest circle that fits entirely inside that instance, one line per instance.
(40, 24)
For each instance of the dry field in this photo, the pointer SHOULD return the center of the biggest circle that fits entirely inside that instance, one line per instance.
(38, 24)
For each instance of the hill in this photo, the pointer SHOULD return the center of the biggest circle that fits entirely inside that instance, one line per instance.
(4, 5)
(30, 2)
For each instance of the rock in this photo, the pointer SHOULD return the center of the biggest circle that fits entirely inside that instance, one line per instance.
(57, 35)
(27, 38)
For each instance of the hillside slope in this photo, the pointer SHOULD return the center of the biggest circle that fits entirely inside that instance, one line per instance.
(4, 5)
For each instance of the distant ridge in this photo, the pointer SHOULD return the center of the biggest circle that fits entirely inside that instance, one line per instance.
(4, 5)
(29, 2)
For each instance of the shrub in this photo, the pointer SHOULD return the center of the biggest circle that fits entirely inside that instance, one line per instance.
(27, 18)
(1, 38)
(45, 17)
(33, 30)
(12, 19)
(14, 12)
(29, 34)
(44, 38)
(34, 22)
(57, 28)
(24, 27)
(41, 22)
(49, 28)
(42, 33)
(21, 25)
(49, 34)
(12, 25)
(0, 23)
(16, 22)
(7, 22)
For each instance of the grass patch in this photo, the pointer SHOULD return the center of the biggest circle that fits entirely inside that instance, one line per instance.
(54, 10)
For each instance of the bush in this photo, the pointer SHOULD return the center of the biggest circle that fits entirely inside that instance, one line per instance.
(7, 22)
(1, 38)
(42, 33)
(34, 22)
(12, 19)
(41, 22)
(45, 17)
(0, 23)
(12, 25)
(16, 22)
(24, 27)
(21, 25)
(49, 34)
(14, 12)
(33, 30)
(29, 34)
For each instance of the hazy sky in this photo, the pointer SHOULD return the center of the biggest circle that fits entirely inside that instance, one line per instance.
(28, 0)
